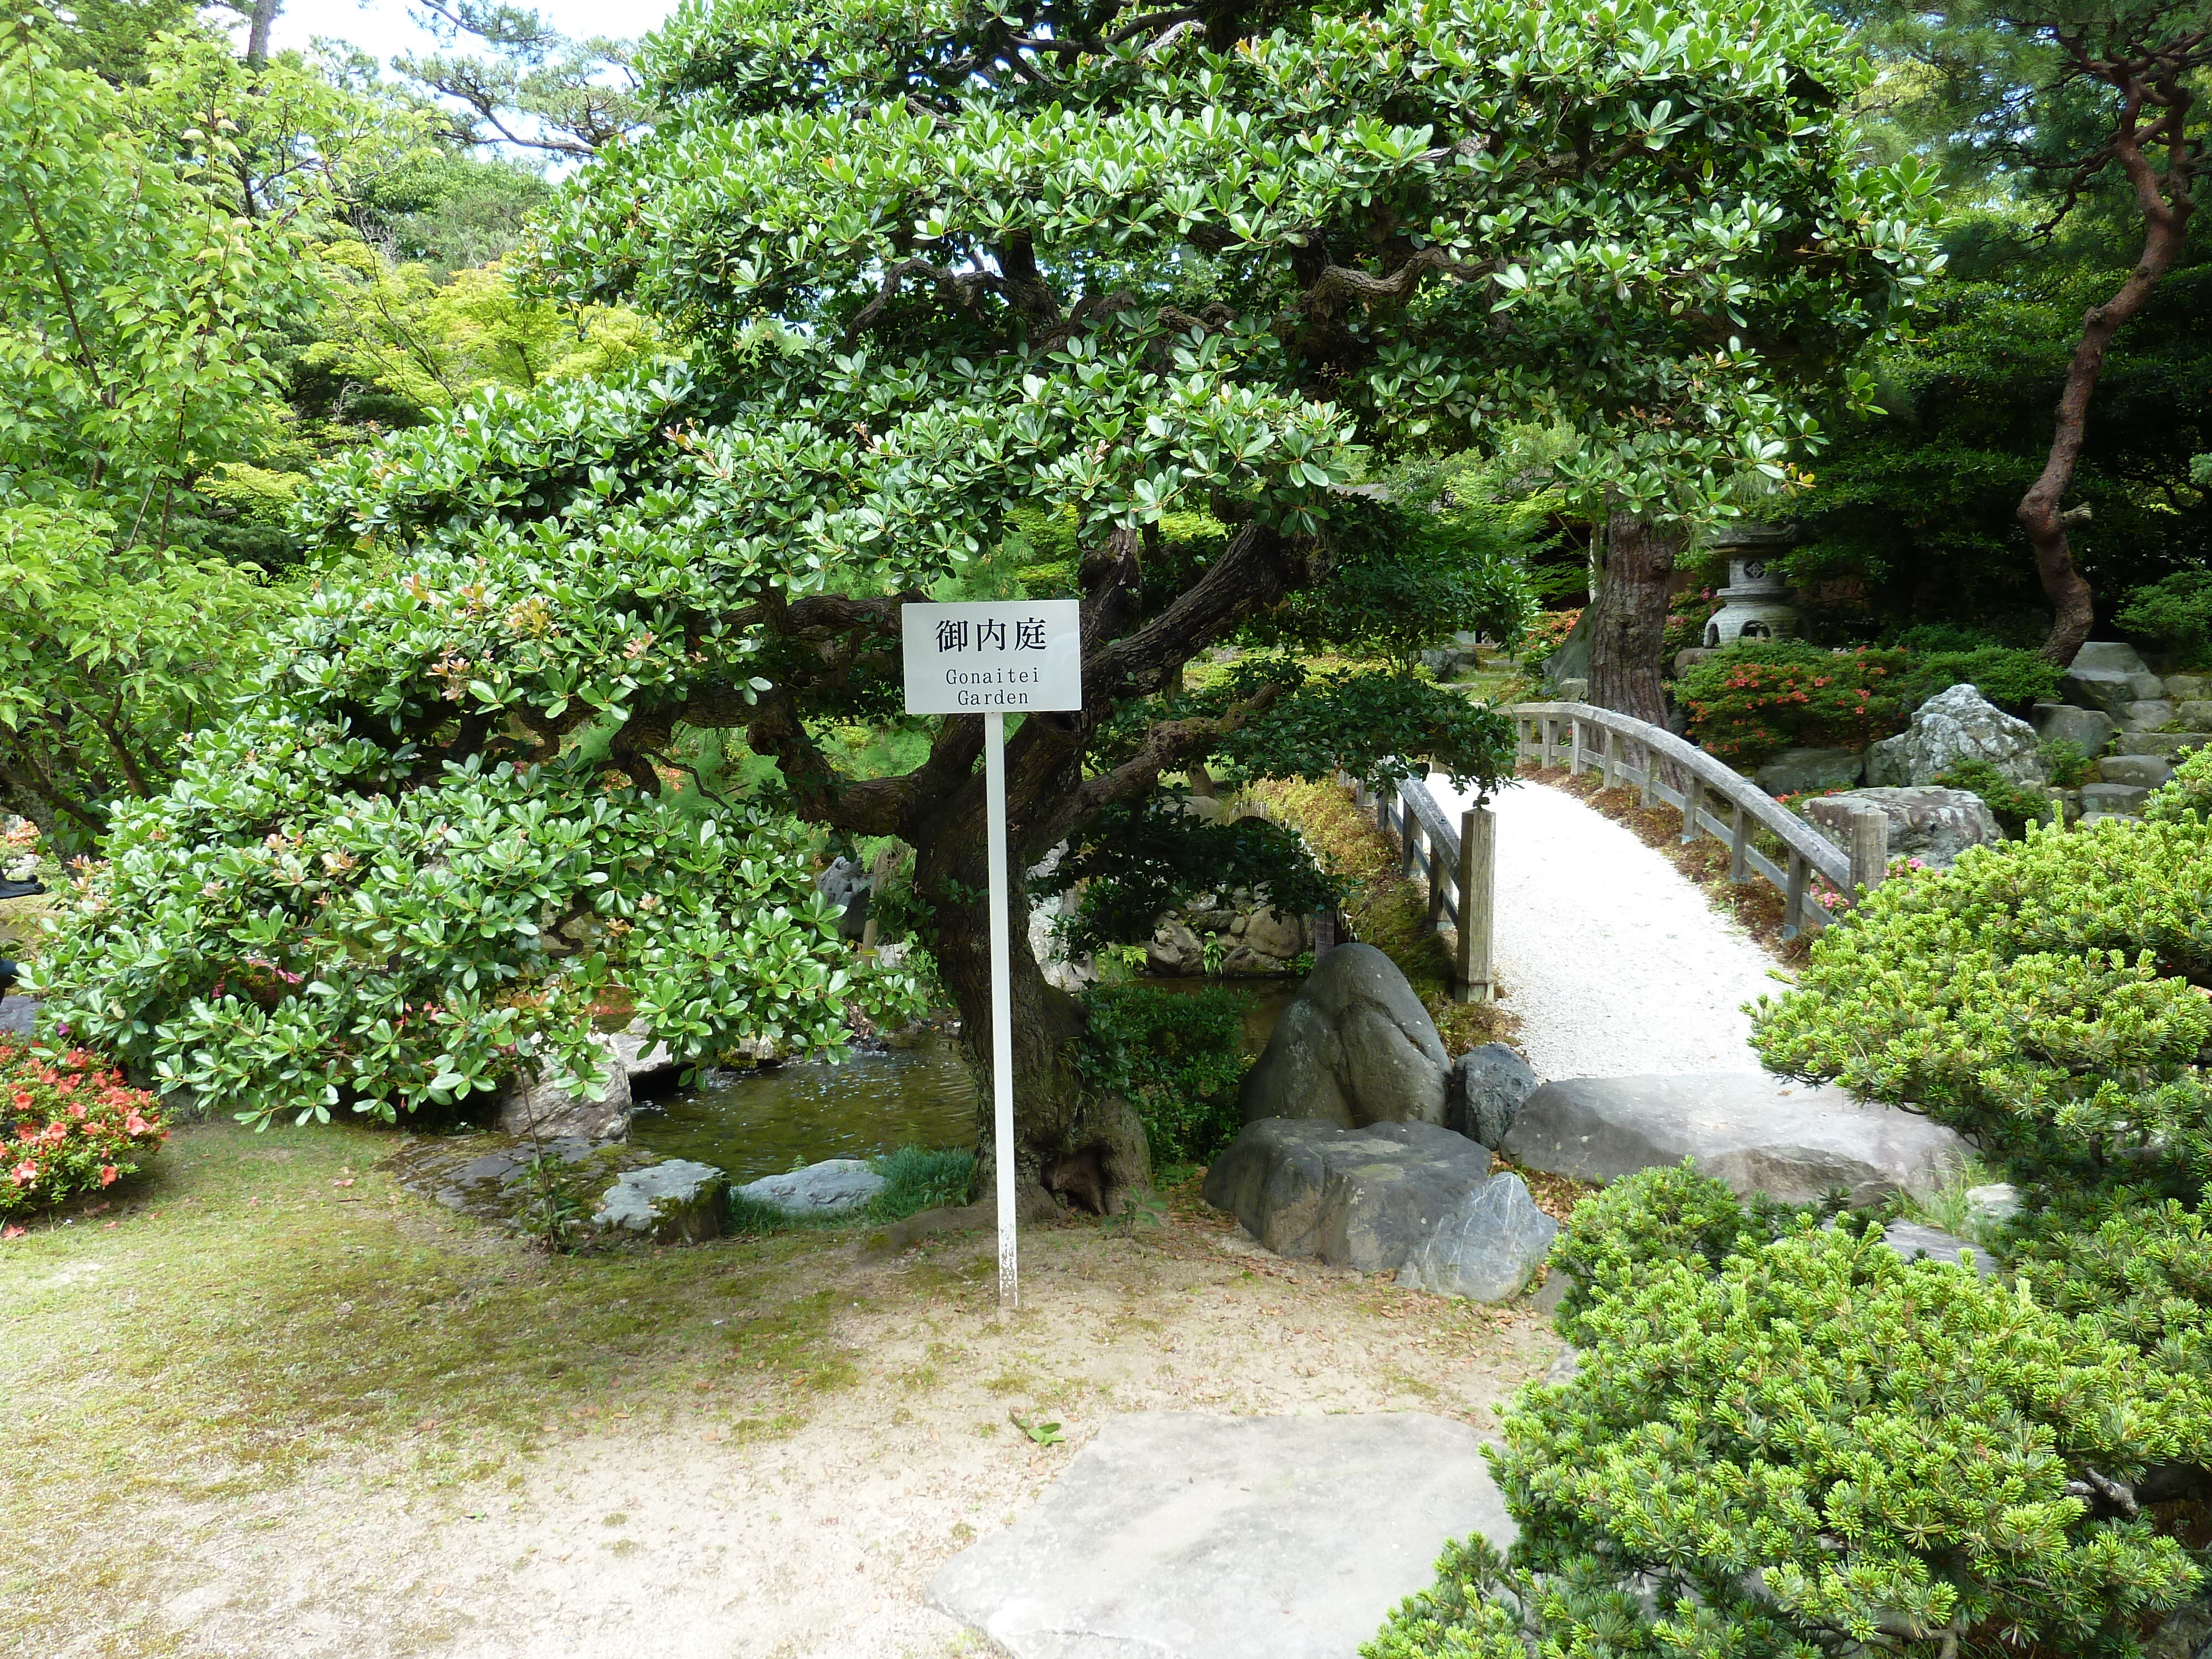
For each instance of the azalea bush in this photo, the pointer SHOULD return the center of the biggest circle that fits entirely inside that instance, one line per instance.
(1758, 698)
(70, 1125)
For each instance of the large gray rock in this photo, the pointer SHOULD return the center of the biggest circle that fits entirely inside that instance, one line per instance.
(2189, 688)
(2087, 729)
(2121, 800)
(530, 1106)
(2107, 675)
(1368, 1199)
(1484, 1089)
(1354, 1046)
(2154, 716)
(1930, 823)
(1793, 1141)
(2192, 713)
(836, 1185)
(18, 1015)
(1180, 1536)
(676, 1201)
(1800, 771)
(1487, 1247)
(1955, 725)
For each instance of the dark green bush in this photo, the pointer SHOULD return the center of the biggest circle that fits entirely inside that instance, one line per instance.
(1176, 1056)
(1758, 698)
(2175, 614)
(2012, 679)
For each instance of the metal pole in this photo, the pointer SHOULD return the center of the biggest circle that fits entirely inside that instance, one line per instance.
(1002, 1013)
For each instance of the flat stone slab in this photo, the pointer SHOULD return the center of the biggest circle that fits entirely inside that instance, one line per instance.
(1794, 1141)
(1174, 1535)
(18, 1015)
(836, 1185)
(677, 1199)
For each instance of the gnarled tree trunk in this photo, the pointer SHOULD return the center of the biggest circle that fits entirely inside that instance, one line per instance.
(2158, 83)
(1627, 636)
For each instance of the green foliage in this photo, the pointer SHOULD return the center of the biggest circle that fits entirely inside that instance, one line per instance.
(2063, 759)
(2014, 806)
(2012, 678)
(1663, 1216)
(921, 1179)
(1137, 863)
(136, 298)
(449, 210)
(69, 1125)
(106, 658)
(437, 343)
(1434, 557)
(1755, 698)
(291, 929)
(2188, 791)
(2042, 997)
(1176, 1056)
(2174, 614)
(1807, 1442)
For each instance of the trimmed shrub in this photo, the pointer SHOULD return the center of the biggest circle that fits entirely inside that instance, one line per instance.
(2041, 998)
(2012, 679)
(69, 1125)
(1756, 698)
(1176, 1056)
(1810, 1444)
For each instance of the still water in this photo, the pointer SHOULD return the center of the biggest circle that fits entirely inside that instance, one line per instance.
(761, 1123)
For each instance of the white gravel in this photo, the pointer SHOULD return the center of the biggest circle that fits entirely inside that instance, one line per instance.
(1613, 963)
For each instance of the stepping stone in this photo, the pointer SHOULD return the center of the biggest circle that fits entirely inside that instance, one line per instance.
(1757, 1132)
(1178, 1536)
(1913, 1240)
(677, 1199)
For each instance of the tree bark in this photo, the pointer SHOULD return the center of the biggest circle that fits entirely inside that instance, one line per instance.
(1087, 1148)
(2166, 205)
(1627, 635)
(259, 15)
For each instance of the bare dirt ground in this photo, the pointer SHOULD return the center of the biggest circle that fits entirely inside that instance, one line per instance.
(797, 1503)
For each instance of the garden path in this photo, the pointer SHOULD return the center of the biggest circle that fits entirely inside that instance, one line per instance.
(1613, 963)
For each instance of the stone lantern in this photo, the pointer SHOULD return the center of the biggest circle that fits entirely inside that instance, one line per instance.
(1755, 604)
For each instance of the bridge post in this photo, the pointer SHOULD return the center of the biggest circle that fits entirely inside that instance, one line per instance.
(1870, 847)
(1611, 769)
(1793, 902)
(1477, 896)
(1694, 803)
(1574, 745)
(1740, 845)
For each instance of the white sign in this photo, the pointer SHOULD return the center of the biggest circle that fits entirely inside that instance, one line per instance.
(993, 660)
(1011, 656)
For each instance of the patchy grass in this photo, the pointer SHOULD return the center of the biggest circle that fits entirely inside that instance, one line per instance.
(1385, 909)
(260, 1302)
(1756, 906)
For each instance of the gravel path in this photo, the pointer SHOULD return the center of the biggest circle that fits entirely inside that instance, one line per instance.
(1613, 963)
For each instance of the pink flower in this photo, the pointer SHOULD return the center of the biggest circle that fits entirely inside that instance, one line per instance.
(108, 1175)
(22, 1100)
(24, 1173)
(136, 1125)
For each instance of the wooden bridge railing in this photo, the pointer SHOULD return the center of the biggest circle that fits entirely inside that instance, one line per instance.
(1715, 800)
(1458, 863)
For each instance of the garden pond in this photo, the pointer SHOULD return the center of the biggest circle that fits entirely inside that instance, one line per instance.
(920, 1093)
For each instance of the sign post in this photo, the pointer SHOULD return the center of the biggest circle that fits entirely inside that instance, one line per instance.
(1025, 657)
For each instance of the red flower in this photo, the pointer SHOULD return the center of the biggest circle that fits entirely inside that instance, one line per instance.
(108, 1175)
(24, 1173)
(22, 1100)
